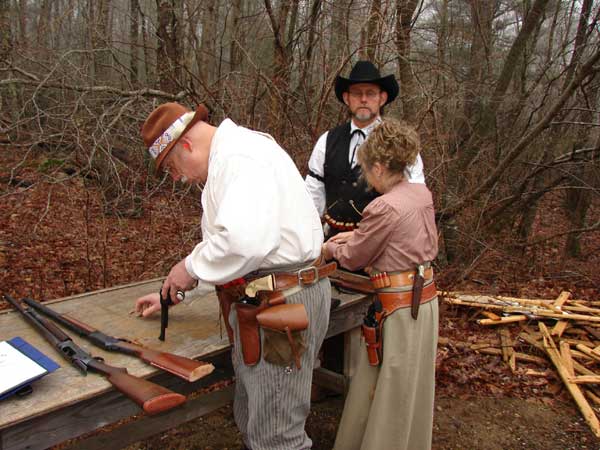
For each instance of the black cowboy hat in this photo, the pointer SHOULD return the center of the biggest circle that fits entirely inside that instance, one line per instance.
(366, 72)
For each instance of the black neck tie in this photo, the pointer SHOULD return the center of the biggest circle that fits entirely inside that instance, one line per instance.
(359, 140)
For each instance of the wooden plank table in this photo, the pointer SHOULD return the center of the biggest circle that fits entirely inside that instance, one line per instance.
(66, 404)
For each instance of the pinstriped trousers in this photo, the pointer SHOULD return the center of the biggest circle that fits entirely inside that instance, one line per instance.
(271, 402)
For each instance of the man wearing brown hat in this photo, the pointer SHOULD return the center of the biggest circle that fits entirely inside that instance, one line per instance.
(333, 178)
(261, 238)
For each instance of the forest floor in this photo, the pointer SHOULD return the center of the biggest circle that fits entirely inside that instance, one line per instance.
(58, 238)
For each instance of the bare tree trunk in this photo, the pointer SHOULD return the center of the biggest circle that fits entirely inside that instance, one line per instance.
(134, 8)
(552, 33)
(149, 78)
(482, 14)
(532, 19)
(42, 24)
(282, 62)
(578, 198)
(372, 38)
(442, 44)
(6, 38)
(168, 52)
(101, 42)
(237, 38)
(207, 60)
(405, 10)
(338, 43)
(23, 24)
(481, 23)
(305, 76)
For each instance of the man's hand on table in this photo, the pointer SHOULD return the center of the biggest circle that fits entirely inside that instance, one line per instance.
(178, 280)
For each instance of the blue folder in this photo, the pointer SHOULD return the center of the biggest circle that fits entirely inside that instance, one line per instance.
(34, 354)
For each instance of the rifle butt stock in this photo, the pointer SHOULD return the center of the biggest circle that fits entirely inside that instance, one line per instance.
(152, 397)
(186, 368)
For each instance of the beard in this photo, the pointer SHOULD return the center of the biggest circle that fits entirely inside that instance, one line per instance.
(363, 115)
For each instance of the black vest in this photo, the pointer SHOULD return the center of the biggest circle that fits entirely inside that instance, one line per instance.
(346, 194)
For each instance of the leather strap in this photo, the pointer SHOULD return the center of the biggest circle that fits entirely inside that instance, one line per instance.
(391, 301)
(398, 279)
(303, 277)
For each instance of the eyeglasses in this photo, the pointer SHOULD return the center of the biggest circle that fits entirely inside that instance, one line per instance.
(370, 94)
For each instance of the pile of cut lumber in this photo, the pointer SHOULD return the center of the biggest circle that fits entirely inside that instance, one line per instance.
(566, 331)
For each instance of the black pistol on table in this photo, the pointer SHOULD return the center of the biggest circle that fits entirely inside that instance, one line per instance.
(165, 303)
(151, 397)
(186, 368)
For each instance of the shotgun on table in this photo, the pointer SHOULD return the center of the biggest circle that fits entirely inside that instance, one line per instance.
(151, 397)
(186, 368)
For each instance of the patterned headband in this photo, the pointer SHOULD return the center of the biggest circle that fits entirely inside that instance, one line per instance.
(171, 134)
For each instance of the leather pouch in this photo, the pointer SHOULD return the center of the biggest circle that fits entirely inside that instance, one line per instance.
(372, 340)
(284, 322)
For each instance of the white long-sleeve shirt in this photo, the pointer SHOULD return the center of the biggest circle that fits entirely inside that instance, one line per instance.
(257, 213)
(316, 164)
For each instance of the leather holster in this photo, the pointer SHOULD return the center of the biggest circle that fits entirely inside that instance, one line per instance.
(226, 298)
(372, 336)
(249, 331)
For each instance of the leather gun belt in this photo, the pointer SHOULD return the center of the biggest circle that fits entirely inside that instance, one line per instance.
(391, 301)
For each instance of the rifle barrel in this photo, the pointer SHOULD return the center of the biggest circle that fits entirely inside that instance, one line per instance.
(73, 324)
(186, 368)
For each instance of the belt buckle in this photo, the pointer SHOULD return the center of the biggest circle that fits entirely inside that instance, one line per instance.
(307, 269)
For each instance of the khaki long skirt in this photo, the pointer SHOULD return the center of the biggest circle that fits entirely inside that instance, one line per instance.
(390, 407)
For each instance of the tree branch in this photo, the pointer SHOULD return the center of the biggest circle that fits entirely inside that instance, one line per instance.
(586, 70)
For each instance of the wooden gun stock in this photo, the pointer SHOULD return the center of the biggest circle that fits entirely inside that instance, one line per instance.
(353, 283)
(151, 397)
(183, 367)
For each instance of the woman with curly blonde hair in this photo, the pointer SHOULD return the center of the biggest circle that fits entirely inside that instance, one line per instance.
(390, 401)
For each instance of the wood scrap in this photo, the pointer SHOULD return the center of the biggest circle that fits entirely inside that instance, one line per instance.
(560, 301)
(503, 320)
(565, 353)
(567, 332)
(582, 403)
(585, 379)
(595, 333)
(533, 310)
(489, 349)
(559, 328)
(582, 369)
(588, 351)
(537, 373)
(593, 397)
(491, 315)
(507, 349)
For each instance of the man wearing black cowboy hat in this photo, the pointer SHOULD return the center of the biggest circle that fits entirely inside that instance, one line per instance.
(333, 178)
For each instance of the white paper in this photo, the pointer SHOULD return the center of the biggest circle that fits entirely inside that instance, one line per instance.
(16, 368)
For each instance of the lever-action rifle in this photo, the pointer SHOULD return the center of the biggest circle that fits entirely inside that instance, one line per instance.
(151, 397)
(185, 368)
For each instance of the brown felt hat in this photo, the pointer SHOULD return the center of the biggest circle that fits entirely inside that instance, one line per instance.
(166, 125)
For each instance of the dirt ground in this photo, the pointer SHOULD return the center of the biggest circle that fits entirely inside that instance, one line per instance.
(470, 423)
